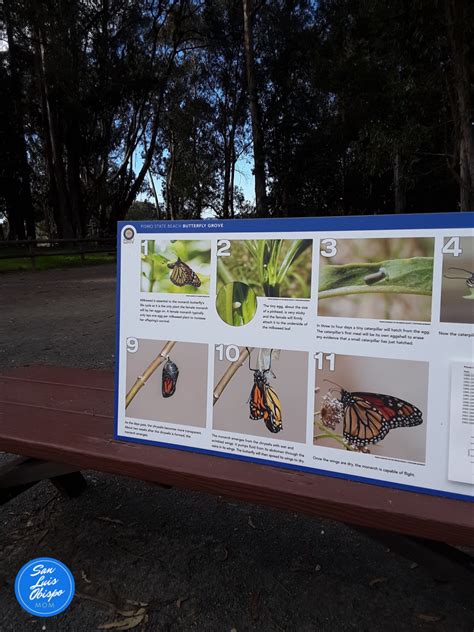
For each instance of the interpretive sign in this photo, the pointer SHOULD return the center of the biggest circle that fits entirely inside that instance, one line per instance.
(338, 345)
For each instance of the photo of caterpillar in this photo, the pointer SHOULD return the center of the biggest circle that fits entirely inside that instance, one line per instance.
(457, 285)
(382, 278)
(256, 392)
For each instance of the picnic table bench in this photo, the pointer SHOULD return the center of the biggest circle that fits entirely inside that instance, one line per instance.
(60, 421)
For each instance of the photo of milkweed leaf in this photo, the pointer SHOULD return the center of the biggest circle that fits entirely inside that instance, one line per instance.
(386, 279)
(457, 285)
(175, 266)
(236, 304)
(271, 267)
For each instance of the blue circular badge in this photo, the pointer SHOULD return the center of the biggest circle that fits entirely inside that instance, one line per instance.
(44, 587)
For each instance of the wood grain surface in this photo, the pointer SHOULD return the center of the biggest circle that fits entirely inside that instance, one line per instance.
(66, 415)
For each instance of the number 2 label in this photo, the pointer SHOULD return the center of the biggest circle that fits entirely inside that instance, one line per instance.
(223, 248)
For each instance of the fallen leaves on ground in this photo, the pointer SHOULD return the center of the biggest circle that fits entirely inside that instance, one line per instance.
(250, 522)
(132, 618)
(429, 618)
(377, 580)
(112, 520)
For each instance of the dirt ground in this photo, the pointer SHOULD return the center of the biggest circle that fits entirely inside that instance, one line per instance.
(197, 562)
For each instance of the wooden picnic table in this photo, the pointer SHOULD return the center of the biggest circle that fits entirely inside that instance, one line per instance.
(61, 421)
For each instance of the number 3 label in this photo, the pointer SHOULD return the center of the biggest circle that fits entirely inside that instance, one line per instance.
(329, 247)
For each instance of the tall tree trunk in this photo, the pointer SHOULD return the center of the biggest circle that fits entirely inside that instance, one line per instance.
(398, 186)
(257, 131)
(457, 15)
(24, 201)
(52, 144)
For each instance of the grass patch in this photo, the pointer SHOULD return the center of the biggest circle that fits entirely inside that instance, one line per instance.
(55, 261)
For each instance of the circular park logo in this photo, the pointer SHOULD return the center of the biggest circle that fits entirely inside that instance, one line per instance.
(44, 587)
(128, 233)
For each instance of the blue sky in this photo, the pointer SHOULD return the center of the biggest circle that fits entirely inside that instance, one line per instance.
(243, 179)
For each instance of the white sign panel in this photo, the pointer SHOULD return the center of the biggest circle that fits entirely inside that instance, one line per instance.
(340, 346)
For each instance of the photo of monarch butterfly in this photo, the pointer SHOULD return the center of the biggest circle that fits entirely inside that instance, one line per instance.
(264, 403)
(369, 417)
(182, 274)
(169, 378)
(372, 405)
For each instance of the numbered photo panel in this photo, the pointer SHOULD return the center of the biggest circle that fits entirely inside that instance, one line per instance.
(457, 287)
(269, 267)
(383, 279)
(176, 391)
(371, 405)
(261, 392)
(181, 266)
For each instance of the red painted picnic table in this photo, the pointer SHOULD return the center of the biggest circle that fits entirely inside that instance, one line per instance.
(65, 416)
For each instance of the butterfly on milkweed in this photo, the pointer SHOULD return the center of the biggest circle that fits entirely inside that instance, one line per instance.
(369, 417)
(469, 279)
(264, 403)
(182, 274)
(169, 378)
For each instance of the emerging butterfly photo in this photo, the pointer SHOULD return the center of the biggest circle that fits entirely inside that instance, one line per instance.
(372, 405)
(175, 266)
(261, 392)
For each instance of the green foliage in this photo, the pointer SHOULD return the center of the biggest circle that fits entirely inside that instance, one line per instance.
(273, 267)
(55, 261)
(470, 295)
(403, 276)
(236, 304)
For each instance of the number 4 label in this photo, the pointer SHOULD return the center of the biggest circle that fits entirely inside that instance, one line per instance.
(452, 247)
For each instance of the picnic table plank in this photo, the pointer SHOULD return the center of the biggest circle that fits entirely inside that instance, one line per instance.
(66, 415)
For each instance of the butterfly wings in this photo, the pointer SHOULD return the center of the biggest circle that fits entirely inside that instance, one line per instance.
(369, 417)
(182, 274)
(265, 404)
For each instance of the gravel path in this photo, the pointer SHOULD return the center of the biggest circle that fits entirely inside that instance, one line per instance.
(198, 562)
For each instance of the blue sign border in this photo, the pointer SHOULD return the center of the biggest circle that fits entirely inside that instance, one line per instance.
(326, 224)
(25, 605)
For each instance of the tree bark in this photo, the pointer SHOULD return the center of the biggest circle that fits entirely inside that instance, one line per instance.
(257, 131)
(398, 186)
(457, 15)
(24, 202)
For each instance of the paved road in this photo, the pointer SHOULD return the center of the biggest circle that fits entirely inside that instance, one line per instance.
(198, 562)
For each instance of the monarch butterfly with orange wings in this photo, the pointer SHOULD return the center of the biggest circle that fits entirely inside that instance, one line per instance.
(264, 403)
(182, 274)
(369, 417)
